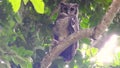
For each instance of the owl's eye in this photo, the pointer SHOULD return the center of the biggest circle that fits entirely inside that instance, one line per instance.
(65, 8)
(71, 9)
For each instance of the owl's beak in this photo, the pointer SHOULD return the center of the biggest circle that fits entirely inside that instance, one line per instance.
(68, 11)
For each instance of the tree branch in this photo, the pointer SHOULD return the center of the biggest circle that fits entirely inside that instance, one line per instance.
(108, 17)
(47, 60)
(94, 32)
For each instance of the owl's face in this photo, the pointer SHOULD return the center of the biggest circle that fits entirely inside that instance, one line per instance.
(69, 9)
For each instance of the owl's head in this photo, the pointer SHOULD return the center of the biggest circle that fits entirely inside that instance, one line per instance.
(69, 8)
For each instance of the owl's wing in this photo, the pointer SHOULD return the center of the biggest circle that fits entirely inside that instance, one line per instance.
(74, 24)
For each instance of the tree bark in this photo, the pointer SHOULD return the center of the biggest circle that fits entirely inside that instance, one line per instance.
(107, 18)
(47, 60)
(94, 32)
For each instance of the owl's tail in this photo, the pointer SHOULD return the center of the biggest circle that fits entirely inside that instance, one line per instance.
(69, 53)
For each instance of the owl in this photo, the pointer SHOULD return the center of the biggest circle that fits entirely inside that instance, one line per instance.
(66, 24)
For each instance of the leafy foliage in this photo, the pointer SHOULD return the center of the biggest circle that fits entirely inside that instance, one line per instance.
(38, 5)
(25, 34)
(25, 1)
(15, 4)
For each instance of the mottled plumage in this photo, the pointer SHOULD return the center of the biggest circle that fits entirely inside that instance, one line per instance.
(66, 24)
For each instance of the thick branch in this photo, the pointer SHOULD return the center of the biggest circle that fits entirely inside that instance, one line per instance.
(108, 17)
(47, 60)
(105, 22)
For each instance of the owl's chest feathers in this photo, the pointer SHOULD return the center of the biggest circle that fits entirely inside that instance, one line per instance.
(60, 28)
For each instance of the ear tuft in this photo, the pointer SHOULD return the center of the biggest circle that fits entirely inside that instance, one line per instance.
(76, 5)
(62, 4)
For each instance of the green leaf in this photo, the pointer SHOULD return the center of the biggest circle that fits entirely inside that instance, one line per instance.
(22, 51)
(38, 5)
(85, 22)
(75, 66)
(25, 1)
(91, 52)
(15, 5)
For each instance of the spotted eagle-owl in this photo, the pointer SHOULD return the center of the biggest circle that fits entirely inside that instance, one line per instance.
(66, 24)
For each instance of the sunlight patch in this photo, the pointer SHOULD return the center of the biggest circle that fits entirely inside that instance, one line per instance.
(66, 66)
(107, 53)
